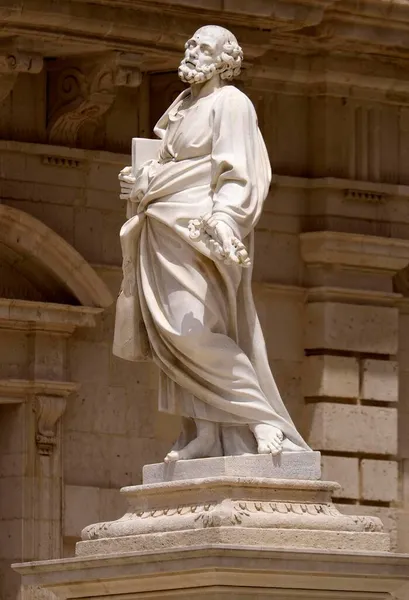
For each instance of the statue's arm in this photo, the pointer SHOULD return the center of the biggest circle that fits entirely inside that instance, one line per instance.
(241, 177)
(241, 172)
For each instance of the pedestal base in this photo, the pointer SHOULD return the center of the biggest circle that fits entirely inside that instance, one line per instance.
(222, 572)
(226, 528)
(217, 506)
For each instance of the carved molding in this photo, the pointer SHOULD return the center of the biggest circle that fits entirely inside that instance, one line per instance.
(48, 409)
(61, 161)
(326, 293)
(206, 514)
(82, 91)
(14, 391)
(256, 506)
(379, 26)
(13, 62)
(355, 251)
(371, 79)
(28, 315)
(365, 196)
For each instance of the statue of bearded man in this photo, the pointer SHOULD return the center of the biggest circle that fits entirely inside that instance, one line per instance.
(187, 262)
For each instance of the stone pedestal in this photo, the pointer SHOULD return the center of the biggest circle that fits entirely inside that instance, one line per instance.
(259, 501)
(221, 571)
(230, 527)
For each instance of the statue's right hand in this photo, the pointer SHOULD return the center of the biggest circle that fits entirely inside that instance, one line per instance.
(126, 182)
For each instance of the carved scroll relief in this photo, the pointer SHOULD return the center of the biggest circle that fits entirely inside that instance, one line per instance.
(81, 91)
(13, 62)
(48, 409)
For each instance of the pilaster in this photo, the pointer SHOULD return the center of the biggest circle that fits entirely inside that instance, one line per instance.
(32, 404)
(351, 369)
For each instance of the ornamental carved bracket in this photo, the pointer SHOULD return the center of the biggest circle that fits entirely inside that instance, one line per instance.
(82, 91)
(13, 62)
(49, 410)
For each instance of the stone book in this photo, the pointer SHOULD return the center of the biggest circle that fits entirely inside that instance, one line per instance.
(143, 149)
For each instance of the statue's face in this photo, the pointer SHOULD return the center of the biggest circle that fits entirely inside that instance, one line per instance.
(201, 56)
(202, 49)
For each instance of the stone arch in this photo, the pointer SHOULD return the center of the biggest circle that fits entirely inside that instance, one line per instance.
(46, 261)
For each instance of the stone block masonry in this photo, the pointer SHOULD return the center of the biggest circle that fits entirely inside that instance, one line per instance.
(350, 383)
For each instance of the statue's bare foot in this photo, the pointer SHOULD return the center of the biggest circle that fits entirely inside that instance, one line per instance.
(269, 438)
(202, 446)
(198, 448)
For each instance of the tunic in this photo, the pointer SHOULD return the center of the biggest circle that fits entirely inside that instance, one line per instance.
(198, 312)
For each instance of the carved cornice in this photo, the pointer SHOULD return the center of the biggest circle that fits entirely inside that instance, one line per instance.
(81, 91)
(371, 27)
(28, 315)
(372, 79)
(159, 29)
(378, 26)
(48, 151)
(16, 391)
(282, 15)
(352, 296)
(13, 62)
(344, 186)
(354, 251)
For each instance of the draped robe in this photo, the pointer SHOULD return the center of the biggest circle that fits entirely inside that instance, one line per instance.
(198, 312)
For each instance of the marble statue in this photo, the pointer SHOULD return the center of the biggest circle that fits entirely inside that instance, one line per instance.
(186, 296)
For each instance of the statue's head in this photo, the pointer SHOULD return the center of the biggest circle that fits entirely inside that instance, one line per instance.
(211, 50)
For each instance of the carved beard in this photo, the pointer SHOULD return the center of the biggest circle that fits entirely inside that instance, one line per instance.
(196, 74)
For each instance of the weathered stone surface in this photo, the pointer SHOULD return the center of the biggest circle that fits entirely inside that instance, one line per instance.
(288, 465)
(327, 375)
(354, 328)
(388, 516)
(267, 538)
(379, 480)
(346, 472)
(379, 380)
(350, 428)
(224, 571)
(227, 509)
(355, 250)
(85, 504)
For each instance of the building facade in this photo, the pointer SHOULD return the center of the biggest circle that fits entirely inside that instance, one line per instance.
(78, 79)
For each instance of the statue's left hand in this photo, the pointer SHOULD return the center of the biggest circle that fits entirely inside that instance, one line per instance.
(233, 249)
(224, 234)
(221, 239)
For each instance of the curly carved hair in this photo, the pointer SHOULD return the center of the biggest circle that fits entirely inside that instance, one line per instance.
(229, 61)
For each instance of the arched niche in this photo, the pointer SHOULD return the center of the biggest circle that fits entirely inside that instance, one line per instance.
(37, 264)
